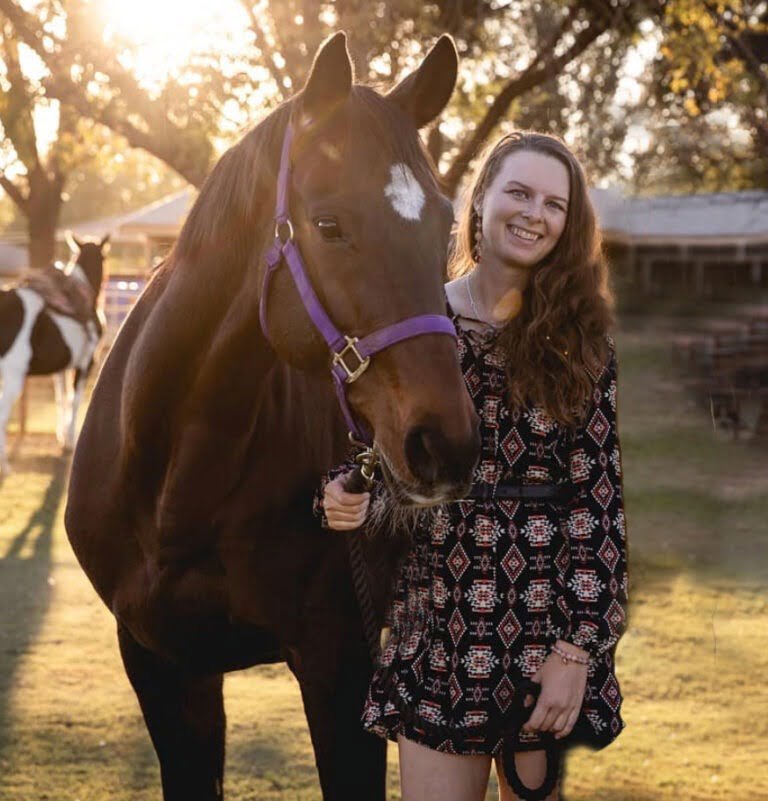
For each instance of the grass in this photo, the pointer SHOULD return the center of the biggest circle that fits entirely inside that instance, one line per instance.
(692, 665)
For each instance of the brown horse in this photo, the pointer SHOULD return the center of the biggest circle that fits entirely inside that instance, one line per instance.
(190, 499)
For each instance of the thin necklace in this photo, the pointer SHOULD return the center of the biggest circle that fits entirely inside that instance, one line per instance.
(474, 307)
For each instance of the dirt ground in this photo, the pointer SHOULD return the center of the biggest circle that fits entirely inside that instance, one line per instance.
(692, 665)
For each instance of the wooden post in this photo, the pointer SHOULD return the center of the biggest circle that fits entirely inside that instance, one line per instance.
(698, 277)
(647, 275)
(761, 429)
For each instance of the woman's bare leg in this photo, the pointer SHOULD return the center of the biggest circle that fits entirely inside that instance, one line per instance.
(531, 768)
(429, 775)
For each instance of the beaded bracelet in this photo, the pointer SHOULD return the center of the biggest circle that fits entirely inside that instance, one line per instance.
(568, 657)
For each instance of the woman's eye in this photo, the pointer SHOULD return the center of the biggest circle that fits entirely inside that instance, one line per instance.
(329, 228)
(517, 193)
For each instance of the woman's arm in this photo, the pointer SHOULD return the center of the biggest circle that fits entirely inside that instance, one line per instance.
(593, 601)
(596, 586)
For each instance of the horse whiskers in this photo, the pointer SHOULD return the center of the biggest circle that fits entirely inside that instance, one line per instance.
(389, 516)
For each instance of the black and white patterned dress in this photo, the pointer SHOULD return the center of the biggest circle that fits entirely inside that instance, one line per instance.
(489, 585)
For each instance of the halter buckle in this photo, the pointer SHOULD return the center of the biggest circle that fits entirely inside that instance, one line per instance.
(338, 359)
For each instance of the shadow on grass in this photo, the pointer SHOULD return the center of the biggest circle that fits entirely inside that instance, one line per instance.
(25, 591)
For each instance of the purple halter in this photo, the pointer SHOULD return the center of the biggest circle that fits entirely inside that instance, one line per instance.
(344, 349)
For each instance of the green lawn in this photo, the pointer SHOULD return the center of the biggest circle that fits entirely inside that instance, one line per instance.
(692, 665)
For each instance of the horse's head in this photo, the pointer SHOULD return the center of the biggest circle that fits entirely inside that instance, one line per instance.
(373, 229)
(89, 257)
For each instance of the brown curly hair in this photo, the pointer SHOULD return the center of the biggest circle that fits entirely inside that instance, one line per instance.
(556, 346)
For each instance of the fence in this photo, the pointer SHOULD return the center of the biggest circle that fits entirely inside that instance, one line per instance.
(120, 293)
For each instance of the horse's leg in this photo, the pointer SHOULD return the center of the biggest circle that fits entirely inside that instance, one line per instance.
(74, 406)
(333, 672)
(12, 386)
(60, 392)
(184, 714)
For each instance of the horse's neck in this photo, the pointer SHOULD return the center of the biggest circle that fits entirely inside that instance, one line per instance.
(211, 407)
(76, 272)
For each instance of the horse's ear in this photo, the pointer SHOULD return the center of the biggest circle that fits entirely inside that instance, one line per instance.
(72, 241)
(329, 81)
(425, 92)
(104, 244)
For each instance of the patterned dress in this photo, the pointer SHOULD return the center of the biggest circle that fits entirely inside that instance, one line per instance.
(489, 585)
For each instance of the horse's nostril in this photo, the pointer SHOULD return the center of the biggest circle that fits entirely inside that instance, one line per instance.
(422, 454)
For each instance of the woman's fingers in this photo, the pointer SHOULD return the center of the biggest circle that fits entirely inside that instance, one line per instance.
(344, 510)
(335, 491)
(560, 722)
(537, 716)
(550, 716)
(343, 526)
(570, 723)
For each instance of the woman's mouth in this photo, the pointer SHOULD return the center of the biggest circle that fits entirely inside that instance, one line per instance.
(529, 237)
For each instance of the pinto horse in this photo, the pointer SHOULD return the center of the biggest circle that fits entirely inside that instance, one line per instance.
(48, 325)
(190, 498)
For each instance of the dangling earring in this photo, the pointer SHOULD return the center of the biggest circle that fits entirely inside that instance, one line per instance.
(478, 238)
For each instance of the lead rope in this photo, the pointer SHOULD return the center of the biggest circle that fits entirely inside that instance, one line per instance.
(520, 714)
(361, 480)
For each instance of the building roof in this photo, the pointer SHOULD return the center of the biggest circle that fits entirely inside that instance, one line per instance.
(733, 217)
(162, 218)
(98, 229)
(13, 258)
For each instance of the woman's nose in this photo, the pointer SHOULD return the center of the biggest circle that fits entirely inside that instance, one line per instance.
(533, 212)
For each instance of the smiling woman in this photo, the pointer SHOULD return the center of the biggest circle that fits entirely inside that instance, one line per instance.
(159, 37)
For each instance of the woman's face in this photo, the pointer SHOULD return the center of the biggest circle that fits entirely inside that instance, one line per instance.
(524, 209)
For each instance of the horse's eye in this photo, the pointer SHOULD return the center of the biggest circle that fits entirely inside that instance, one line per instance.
(329, 228)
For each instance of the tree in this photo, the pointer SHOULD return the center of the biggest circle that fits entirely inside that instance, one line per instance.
(87, 76)
(32, 179)
(180, 124)
(707, 98)
(547, 39)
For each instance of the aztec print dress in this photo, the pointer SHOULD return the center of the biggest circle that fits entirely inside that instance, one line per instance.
(489, 585)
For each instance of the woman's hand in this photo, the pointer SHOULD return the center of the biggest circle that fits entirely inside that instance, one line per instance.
(344, 511)
(562, 694)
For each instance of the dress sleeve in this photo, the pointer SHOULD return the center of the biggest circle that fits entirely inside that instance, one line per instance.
(596, 582)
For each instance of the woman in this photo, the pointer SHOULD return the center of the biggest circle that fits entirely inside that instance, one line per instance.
(526, 578)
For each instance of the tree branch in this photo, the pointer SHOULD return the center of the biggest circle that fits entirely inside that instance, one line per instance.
(14, 193)
(163, 137)
(537, 73)
(16, 106)
(278, 74)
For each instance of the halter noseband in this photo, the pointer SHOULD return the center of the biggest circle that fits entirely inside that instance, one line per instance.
(350, 355)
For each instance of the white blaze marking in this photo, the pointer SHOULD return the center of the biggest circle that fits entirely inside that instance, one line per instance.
(404, 192)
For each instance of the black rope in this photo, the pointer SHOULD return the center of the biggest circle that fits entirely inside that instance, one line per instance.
(520, 714)
(361, 579)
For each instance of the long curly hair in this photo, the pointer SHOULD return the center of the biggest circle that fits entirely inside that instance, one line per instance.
(556, 345)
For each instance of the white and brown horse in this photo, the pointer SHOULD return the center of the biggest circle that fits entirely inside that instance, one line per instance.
(190, 497)
(49, 325)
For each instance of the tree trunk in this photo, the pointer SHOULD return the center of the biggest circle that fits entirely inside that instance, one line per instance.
(43, 210)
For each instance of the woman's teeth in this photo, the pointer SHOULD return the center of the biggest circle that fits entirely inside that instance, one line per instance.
(523, 234)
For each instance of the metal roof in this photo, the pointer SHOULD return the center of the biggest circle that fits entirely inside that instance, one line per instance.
(730, 216)
(12, 258)
(162, 218)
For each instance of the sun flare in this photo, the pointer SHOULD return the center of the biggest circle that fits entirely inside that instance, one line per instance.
(162, 34)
